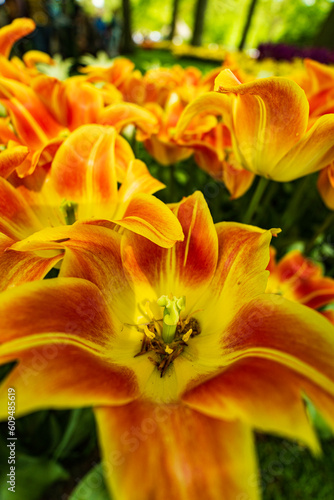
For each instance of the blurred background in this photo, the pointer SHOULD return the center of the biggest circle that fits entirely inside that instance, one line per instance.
(279, 28)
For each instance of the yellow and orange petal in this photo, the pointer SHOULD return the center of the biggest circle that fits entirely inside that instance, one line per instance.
(122, 114)
(72, 103)
(269, 118)
(17, 218)
(33, 123)
(13, 32)
(181, 453)
(84, 168)
(184, 269)
(11, 158)
(69, 338)
(299, 279)
(17, 268)
(265, 328)
(242, 392)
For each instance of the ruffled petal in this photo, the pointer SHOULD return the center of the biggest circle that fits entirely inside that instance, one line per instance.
(68, 337)
(74, 102)
(11, 158)
(17, 219)
(84, 103)
(298, 278)
(209, 103)
(91, 252)
(43, 156)
(151, 218)
(263, 394)
(138, 180)
(13, 32)
(10, 70)
(31, 119)
(321, 77)
(17, 268)
(274, 328)
(62, 375)
(122, 114)
(33, 57)
(183, 269)
(174, 452)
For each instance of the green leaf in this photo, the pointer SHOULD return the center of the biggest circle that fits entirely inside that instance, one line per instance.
(80, 427)
(92, 486)
(33, 476)
(318, 421)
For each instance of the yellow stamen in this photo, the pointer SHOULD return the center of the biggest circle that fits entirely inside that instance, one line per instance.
(148, 311)
(148, 333)
(168, 350)
(186, 336)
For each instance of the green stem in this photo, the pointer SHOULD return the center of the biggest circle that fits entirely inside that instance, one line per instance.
(296, 202)
(325, 225)
(260, 188)
(171, 183)
(270, 193)
(70, 429)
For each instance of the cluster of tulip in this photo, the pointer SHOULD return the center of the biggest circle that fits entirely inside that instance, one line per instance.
(183, 335)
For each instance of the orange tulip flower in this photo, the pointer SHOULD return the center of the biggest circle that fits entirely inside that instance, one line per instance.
(299, 279)
(213, 153)
(116, 73)
(180, 351)
(319, 88)
(15, 68)
(161, 145)
(268, 120)
(82, 185)
(45, 113)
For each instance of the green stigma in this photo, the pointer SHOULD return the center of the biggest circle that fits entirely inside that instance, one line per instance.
(173, 307)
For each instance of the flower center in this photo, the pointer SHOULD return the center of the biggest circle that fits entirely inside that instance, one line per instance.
(170, 341)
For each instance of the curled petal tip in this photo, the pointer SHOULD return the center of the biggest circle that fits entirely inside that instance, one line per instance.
(224, 80)
(275, 231)
(13, 32)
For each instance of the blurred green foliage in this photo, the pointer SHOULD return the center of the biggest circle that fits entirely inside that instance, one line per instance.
(285, 21)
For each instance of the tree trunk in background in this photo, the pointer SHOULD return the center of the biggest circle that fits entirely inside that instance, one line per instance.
(127, 45)
(174, 19)
(248, 22)
(324, 37)
(199, 22)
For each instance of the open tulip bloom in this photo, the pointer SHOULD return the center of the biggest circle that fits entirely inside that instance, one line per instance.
(268, 119)
(179, 350)
(82, 184)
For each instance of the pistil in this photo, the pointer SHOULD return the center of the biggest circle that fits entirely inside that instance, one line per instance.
(173, 307)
